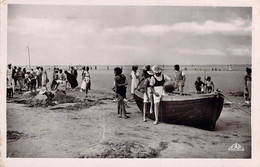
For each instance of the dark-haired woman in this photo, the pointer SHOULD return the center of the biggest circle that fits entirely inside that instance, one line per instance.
(120, 89)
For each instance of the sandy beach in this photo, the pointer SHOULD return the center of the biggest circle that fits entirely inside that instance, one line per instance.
(187, 42)
(94, 131)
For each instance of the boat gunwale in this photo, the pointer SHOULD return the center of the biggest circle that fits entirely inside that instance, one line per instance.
(181, 97)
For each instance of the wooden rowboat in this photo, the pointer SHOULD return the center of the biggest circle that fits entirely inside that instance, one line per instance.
(196, 110)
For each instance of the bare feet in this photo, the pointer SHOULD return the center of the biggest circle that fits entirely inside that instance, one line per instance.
(155, 122)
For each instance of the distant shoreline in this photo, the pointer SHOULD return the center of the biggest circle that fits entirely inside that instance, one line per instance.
(188, 65)
(224, 67)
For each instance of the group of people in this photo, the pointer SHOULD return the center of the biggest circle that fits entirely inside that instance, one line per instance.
(206, 87)
(25, 79)
(61, 79)
(38, 78)
(154, 86)
(154, 81)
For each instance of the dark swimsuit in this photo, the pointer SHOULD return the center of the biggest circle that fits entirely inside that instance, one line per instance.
(159, 83)
(121, 90)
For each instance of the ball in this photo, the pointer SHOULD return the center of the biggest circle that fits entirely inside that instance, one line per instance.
(168, 86)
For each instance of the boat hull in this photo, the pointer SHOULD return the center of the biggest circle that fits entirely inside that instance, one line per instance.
(201, 111)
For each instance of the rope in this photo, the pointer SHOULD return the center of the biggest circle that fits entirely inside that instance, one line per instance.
(236, 105)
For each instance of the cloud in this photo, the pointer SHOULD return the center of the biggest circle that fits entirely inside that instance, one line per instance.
(123, 47)
(209, 52)
(25, 25)
(241, 51)
(234, 27)
(29, 25)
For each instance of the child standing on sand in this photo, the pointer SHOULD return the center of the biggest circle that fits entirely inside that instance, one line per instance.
(120, 89)
(209, 85)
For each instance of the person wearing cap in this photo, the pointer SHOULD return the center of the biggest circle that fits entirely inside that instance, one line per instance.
(147, 73)
(199, 85)
(180, 78)
(157, 81)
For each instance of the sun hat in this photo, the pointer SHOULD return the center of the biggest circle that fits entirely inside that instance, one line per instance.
(157, 69)
(150, 72)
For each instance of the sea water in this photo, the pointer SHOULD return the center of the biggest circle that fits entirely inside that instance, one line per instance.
(226, 81)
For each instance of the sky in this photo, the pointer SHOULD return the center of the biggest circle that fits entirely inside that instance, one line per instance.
(127, 35)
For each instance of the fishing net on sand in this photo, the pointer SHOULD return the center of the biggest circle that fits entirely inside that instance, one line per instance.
(47, 98)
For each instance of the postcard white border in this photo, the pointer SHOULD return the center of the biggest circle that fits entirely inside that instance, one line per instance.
(28, 162)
